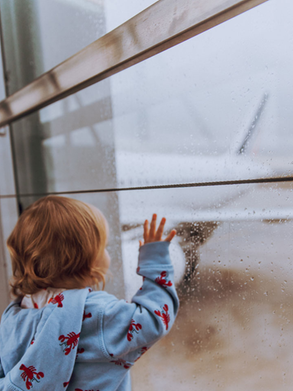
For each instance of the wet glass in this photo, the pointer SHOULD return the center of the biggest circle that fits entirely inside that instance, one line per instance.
(57, 29)
(215, 108)
(48, 33)
(118, 12)
(234, 275)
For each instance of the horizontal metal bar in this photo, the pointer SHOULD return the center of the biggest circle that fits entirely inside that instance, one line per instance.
(159, 27)
(160, 187)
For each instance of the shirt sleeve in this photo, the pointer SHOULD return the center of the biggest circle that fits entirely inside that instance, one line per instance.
(129, 329)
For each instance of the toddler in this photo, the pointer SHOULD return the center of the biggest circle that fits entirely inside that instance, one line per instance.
(60, 333)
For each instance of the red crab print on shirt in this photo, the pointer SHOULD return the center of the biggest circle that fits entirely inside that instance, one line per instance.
(70, 340)
(133, 328)
(57, 300)
(121, 362)
(165, 316)
(161, 280)
(29, 375)
(89, 315)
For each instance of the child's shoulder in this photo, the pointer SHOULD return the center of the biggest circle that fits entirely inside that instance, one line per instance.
(12, 309)
(99, 299)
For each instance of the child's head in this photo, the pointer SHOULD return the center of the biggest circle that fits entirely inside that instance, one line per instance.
(58, 242)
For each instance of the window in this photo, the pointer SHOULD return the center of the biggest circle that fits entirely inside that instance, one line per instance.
(200, 133)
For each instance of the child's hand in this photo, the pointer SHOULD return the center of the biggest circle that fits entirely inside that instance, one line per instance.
(150, 234)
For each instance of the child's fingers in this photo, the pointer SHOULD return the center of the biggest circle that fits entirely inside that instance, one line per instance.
(140, 243)
(153, 226)
(146, 231)
(160, 230)
(170, 236)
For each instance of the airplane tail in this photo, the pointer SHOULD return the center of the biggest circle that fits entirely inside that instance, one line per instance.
(243, 141)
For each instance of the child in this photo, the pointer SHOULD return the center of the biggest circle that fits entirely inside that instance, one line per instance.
(60, 334)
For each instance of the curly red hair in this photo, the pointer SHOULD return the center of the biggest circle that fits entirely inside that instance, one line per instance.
(57, 242)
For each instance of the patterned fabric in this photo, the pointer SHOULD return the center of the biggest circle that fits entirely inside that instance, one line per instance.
(87, 340)
(42, 298)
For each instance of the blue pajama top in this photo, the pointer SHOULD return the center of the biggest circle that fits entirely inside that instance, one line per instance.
(88, 340)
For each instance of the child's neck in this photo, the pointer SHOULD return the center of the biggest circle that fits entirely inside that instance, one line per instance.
(72, 284)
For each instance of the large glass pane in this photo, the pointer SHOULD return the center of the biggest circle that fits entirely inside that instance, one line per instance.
(42, 34)
(46, 25)
(233, 272)
(69, 145)
(216, 107)
(234, 276)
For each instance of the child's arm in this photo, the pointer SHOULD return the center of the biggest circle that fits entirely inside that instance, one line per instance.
(131, 328)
